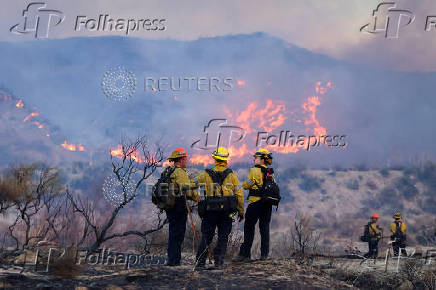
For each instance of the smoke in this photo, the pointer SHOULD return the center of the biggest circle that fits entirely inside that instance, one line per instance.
(411, 51)
(387, 116)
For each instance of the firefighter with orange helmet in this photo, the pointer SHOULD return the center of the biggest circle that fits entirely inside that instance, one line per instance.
(373, 233)
(178, 214)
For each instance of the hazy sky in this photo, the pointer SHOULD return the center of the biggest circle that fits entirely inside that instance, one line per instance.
(327, 26)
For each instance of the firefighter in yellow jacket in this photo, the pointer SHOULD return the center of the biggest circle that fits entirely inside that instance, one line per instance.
(184, 188)
(223, 197)
(374, 233)
(257, 210)
(398, 230)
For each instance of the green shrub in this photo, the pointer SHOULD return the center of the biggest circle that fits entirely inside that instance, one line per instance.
(427, 175)
(332, 173)
(353, 184)
(406, 187)
(310, 183)
(384, 172)
(292, 173)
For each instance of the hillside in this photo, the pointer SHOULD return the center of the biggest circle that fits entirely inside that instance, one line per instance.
(268, 74)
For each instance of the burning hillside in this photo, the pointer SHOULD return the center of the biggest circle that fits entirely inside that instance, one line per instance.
(28, 135)
(261, 120)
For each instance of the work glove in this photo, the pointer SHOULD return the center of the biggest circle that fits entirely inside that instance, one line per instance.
(240, 217)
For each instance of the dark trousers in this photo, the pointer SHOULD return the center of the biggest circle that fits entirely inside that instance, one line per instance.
(372, 249)
(210, 222)
(256, 211)
(177, 217)
(399, 243)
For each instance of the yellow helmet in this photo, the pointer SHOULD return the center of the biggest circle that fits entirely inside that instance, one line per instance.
(397, 216)
(221, 153)
(265, 154)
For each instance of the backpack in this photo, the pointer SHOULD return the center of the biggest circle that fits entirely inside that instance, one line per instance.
(398, 232)
(365, 238)
(163, 195)
(270, 191)
(217, 203)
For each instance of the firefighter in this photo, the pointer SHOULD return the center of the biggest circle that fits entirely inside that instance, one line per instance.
(178, 214)
(225, 189)
(398, 230)
(257, 210)
(374, 233)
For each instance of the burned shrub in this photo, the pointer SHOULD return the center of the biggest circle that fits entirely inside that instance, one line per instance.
(371, 185)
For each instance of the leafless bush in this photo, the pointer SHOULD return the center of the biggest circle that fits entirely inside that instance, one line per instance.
(283, 246)
(429, 278)
(304, 237)
(154, 243)
(193, 234)
(138, 161)
(418, 273)
(32, 193)
(235, 240)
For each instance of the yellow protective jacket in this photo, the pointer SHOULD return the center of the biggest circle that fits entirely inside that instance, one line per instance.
(182, 182)
(375, 232)
(254, 181)
(402, 228)
(230, 186)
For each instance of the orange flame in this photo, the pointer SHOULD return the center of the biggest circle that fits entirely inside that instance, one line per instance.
(39, 125)
(31, 115)
(269, 118)
(72, 147)
(240, 83)
(201, 159)
(118, 152)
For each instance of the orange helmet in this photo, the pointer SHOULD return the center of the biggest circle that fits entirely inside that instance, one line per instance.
(178, 153)
(375, 215)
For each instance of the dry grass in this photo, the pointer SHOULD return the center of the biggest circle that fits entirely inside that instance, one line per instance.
(65, 267)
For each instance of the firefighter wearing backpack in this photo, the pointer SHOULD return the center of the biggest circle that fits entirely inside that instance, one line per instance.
(373, 234)
(223, 198)
(258, 209)
(398, 230)
(177, 215)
